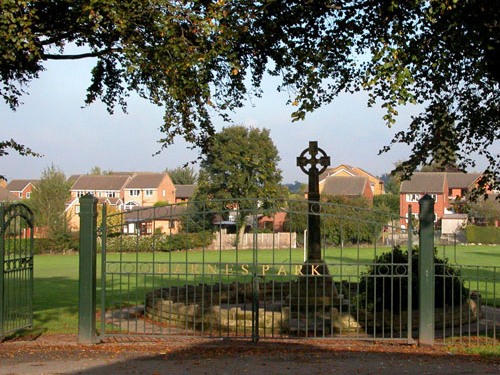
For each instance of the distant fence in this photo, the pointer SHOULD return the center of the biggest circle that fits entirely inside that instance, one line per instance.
(279, 240)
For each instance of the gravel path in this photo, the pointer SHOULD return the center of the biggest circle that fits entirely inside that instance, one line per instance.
(62, 355)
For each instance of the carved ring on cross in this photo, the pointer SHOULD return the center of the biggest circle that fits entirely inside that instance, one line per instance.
(315, 208)
(323, 160)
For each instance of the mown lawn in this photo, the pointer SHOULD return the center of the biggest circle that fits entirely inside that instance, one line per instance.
(56, 276)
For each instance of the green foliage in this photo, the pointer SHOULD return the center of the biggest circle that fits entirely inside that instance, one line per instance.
(486, 235)
(486, 211)
(196, 58)
(182, 175)
(384, 285)
(241, 163)
(240, 167)
(48, 201)
(388, 202)
(351, 221)
(392, 183)
(60, 243)
(173, 242)
(343, 220)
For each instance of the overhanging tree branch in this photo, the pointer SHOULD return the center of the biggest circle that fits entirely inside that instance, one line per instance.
(48, 56)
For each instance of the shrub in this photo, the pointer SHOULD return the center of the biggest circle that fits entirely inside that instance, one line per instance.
(486, 235)
(385, 284)
(163, 242)
(62, 242)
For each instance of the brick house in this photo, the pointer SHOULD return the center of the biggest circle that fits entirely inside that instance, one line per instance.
(145, 189)
(7, 196)
(146, 221)
(122, 191)
(444, 187)
(347, 186)
(376, 185)
(433, 183)
(21, 188)
(183, 193)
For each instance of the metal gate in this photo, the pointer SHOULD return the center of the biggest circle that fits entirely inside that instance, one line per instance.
(16, 271)
(240, 269)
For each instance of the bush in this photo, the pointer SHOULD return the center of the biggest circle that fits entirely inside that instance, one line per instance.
(67, 241)
(385, 283)
(486, 235)
(182, 241)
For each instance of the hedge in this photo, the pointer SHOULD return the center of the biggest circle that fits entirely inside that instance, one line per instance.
(183, 241)
(485, 235)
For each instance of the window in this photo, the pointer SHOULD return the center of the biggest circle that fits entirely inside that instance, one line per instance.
(135, 193)
(80, 193)
(412, 197)
(148, 192)
(28, 195)
(110, 194)
(20, 194)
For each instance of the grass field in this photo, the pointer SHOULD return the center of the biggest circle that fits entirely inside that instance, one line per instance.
(56, 276)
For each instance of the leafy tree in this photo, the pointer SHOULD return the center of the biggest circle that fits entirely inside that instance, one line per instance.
(297, 187)
(485, 211)
(48, 201)
(182, 175)
(241, 166)
(389, 201)
(99, 171)
(392, 183)
(199, 57)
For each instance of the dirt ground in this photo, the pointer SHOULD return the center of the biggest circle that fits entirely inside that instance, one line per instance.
(61, 354)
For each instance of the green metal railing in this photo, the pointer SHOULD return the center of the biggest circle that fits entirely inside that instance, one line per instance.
(199, 275)
(16, 268)
(189, 270)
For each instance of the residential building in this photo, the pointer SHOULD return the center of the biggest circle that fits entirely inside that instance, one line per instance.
(346, 186)
(7, 196)
(183, 193)
(146, 221)
(121, 191)
(444, 187)
(376, 184)
(145, 189)
(21, 188)
(100, 186)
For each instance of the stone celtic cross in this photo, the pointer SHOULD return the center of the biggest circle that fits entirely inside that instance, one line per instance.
(309, 165)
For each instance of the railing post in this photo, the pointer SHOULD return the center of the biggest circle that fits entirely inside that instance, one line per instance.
(87, 276)
(2, 250)
(426, 271)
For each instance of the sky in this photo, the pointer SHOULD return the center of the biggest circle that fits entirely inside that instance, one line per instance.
(54, 122)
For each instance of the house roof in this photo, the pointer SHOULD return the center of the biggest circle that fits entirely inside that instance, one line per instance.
(100, 182)
(113, 201)
(184, 191)
(462, 180)
(145, 181)
(344, 185)
(19, 185)
(353, 171)
(6, 195)
(424, 182)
